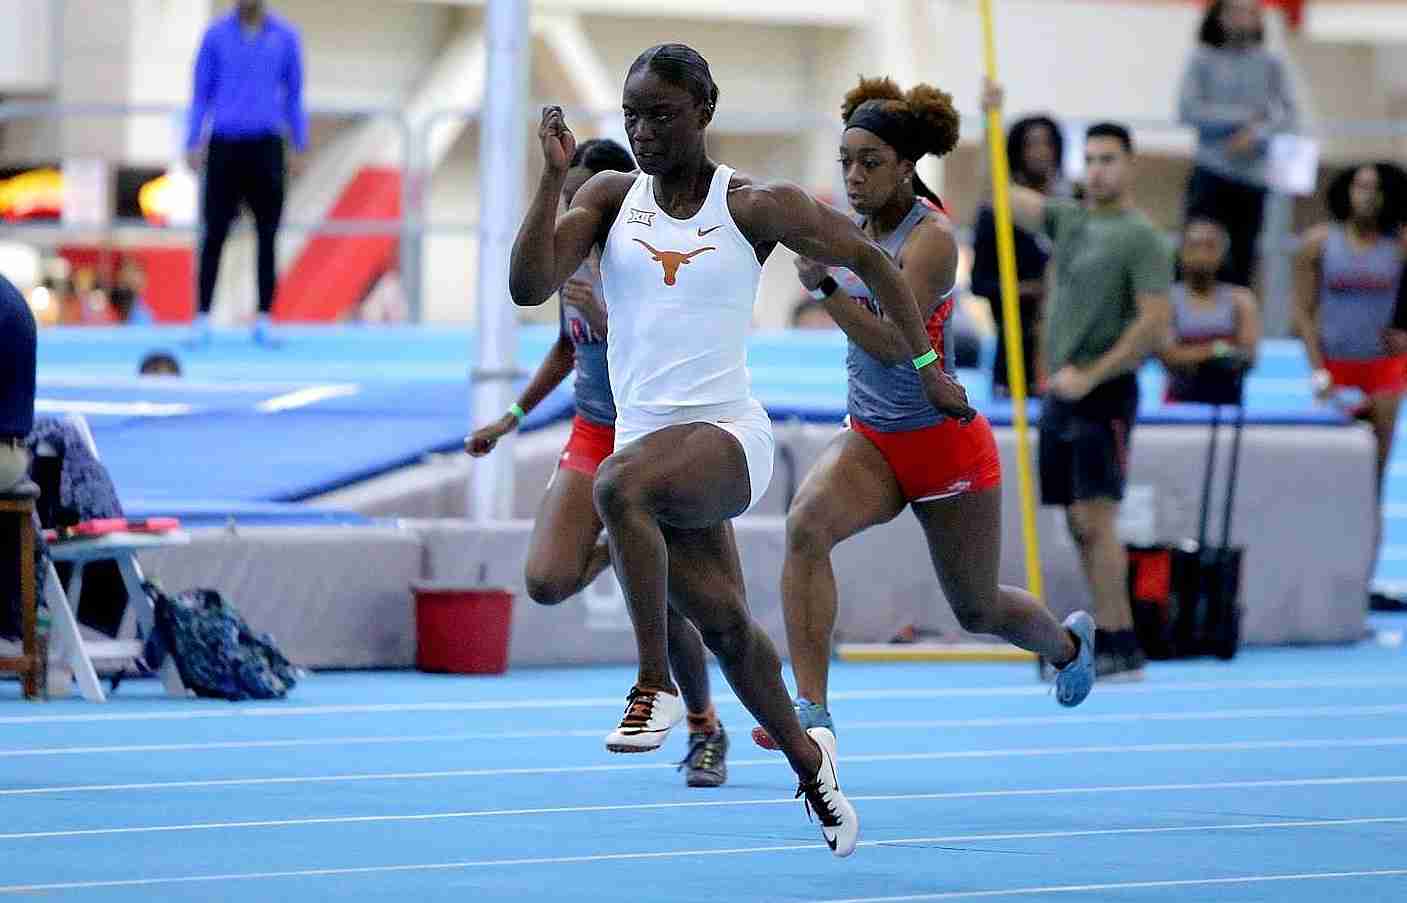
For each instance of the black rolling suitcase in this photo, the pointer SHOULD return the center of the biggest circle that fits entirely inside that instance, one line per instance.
(1186, 598)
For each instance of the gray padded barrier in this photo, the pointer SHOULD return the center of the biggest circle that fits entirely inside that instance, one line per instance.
(340, 597)
(333, 597)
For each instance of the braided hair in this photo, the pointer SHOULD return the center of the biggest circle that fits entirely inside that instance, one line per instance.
(682, 65)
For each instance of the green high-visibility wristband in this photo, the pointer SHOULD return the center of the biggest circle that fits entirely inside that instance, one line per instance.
(923, 360)
(517, 411)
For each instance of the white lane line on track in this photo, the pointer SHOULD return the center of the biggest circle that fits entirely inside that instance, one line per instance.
(1291, 712)
(644, 807)
(1027, 752)
(677, 854)
(279, 710)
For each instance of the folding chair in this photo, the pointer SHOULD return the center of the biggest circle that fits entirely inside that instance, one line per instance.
(71, 657)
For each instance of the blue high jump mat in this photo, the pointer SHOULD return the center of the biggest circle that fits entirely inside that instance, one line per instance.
(248, 431)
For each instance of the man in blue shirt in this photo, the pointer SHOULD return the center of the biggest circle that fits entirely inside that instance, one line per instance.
(248, 94)
(18, 340)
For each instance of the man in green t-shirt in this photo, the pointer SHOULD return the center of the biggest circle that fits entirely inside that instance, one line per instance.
(1108, 312)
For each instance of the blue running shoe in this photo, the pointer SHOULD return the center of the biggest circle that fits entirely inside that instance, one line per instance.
(1075, 680)
(263, 334)
(201, 334)
(808, 713)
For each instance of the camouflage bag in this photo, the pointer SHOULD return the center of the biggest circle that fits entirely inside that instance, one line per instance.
(215, 651)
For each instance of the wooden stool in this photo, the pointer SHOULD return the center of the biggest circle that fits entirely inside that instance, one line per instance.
(19, 503)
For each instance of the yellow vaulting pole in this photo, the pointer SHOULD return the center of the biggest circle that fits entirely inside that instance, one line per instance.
(1011, 313)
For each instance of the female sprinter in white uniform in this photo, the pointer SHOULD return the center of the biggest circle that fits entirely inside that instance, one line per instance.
(682, 245)
(564, 554)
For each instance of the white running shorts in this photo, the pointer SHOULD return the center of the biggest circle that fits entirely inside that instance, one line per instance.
(746, 422)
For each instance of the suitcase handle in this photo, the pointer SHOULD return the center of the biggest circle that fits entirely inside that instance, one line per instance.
(1234, 468)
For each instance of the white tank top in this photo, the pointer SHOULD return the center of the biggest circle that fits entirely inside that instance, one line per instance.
(679, 300)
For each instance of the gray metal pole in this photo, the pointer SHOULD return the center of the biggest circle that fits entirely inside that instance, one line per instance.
(502, 147)
(1276, 245)
(412, 235)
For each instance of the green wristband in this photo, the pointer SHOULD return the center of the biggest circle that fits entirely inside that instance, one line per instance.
(923, 360)
(517, 411)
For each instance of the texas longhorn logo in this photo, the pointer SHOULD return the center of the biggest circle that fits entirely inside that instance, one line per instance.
(672, 260)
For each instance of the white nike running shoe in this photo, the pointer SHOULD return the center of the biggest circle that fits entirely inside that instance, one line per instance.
(649, 717)
(840, 826)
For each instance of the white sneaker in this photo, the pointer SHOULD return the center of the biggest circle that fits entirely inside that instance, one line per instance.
(649, 717)
(840, 826)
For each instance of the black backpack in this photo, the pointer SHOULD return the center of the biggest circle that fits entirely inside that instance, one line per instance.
(215, 651)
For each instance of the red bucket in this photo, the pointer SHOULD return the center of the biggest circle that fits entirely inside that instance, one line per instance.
(462, 631)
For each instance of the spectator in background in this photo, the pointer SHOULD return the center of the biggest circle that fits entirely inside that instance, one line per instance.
(159, 363)
(1215, 325)
(249, 91)
(90, 302)
(967, 339)
(19, 338)
(127, 296)
(1107, 313)
(1236, 95)
(1348, 279)
(1035, 148)
(66, 300)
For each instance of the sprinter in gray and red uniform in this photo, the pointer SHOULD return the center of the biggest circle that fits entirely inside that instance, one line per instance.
(1349, 277)
(897, 450)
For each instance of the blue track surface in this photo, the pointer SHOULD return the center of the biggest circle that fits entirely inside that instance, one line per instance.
(1276, 777)
(357, 401)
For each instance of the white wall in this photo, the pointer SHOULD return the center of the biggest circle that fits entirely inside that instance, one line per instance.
(1363, 22)
(28, 69)
(164, 40)
(96, 69)
(25, 142)
(358, 53)
(117, 52)
(1340, 81)
(450, 269)
(367, 52)
(1092, 60)
(27, 47)
(1391, 68)
(1391, 72)
(757, 68)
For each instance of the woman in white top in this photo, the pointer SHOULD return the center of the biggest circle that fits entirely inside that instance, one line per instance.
(564, 554)
(682, 245)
